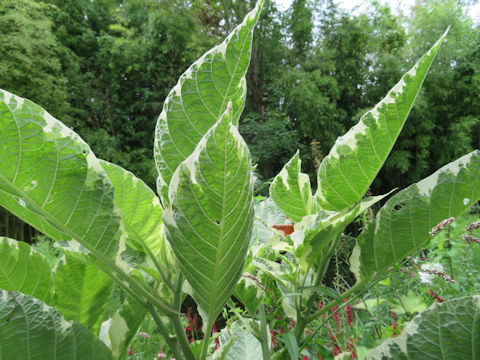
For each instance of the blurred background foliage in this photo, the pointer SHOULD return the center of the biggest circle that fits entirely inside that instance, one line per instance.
(103, 67)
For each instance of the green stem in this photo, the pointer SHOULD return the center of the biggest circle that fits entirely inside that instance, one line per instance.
(177, 324)
(206, 339)
(157, 266)
(333, 303)
(172, 343)
(124, 280)
(263, 326)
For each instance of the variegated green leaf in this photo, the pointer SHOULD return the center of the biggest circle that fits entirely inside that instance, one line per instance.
(249, 292)
(402, 226)
(450, 330)
(291, 192)
(123, 326)
(211, 215)
(25, 270)
(140, 206)
(316, 235)
(238, 344)
(81, 291)
(29, 330)
(266, 215)
(50, 179)
(199, 99)
(347, 172)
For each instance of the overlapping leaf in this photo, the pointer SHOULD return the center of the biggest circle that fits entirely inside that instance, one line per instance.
(50, 179)
(402, 226)
(450, 330)
(199, 99)
(291, 192)
(29, 330)
(123, 326)
(25, 270)
(140, 206)
(346, 173)
(266, 215)
(81, 292)
(316, 235)
(211, 215)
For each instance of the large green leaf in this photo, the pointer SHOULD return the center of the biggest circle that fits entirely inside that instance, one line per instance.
(346, 173)
(450, 330)
(402, 226)
(31, 330)
(210, 218)
(291, 192)
(200, 97)
(50, 179)
(25, 270)
(81, 291)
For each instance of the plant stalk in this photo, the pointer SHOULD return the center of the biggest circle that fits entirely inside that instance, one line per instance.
(172, 344)
(175, 319)
(263, 326)
(206, 339)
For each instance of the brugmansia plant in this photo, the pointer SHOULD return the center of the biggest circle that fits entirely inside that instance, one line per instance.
(204, 235)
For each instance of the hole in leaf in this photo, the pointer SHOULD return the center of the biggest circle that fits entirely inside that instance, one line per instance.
(398, 207)
(218, 222)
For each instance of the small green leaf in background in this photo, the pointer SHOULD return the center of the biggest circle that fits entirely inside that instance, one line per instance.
(238, 344)
(249, 293)
(291, 192)
(410, 303)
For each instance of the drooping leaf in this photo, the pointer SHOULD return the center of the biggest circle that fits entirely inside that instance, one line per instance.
(29, 329)
(200, 97)
(347, 172)
(210, 219)
(402, 225)
(81, 291)
(291, 192)
(25, 270)
(50, 179)
(450, 330)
